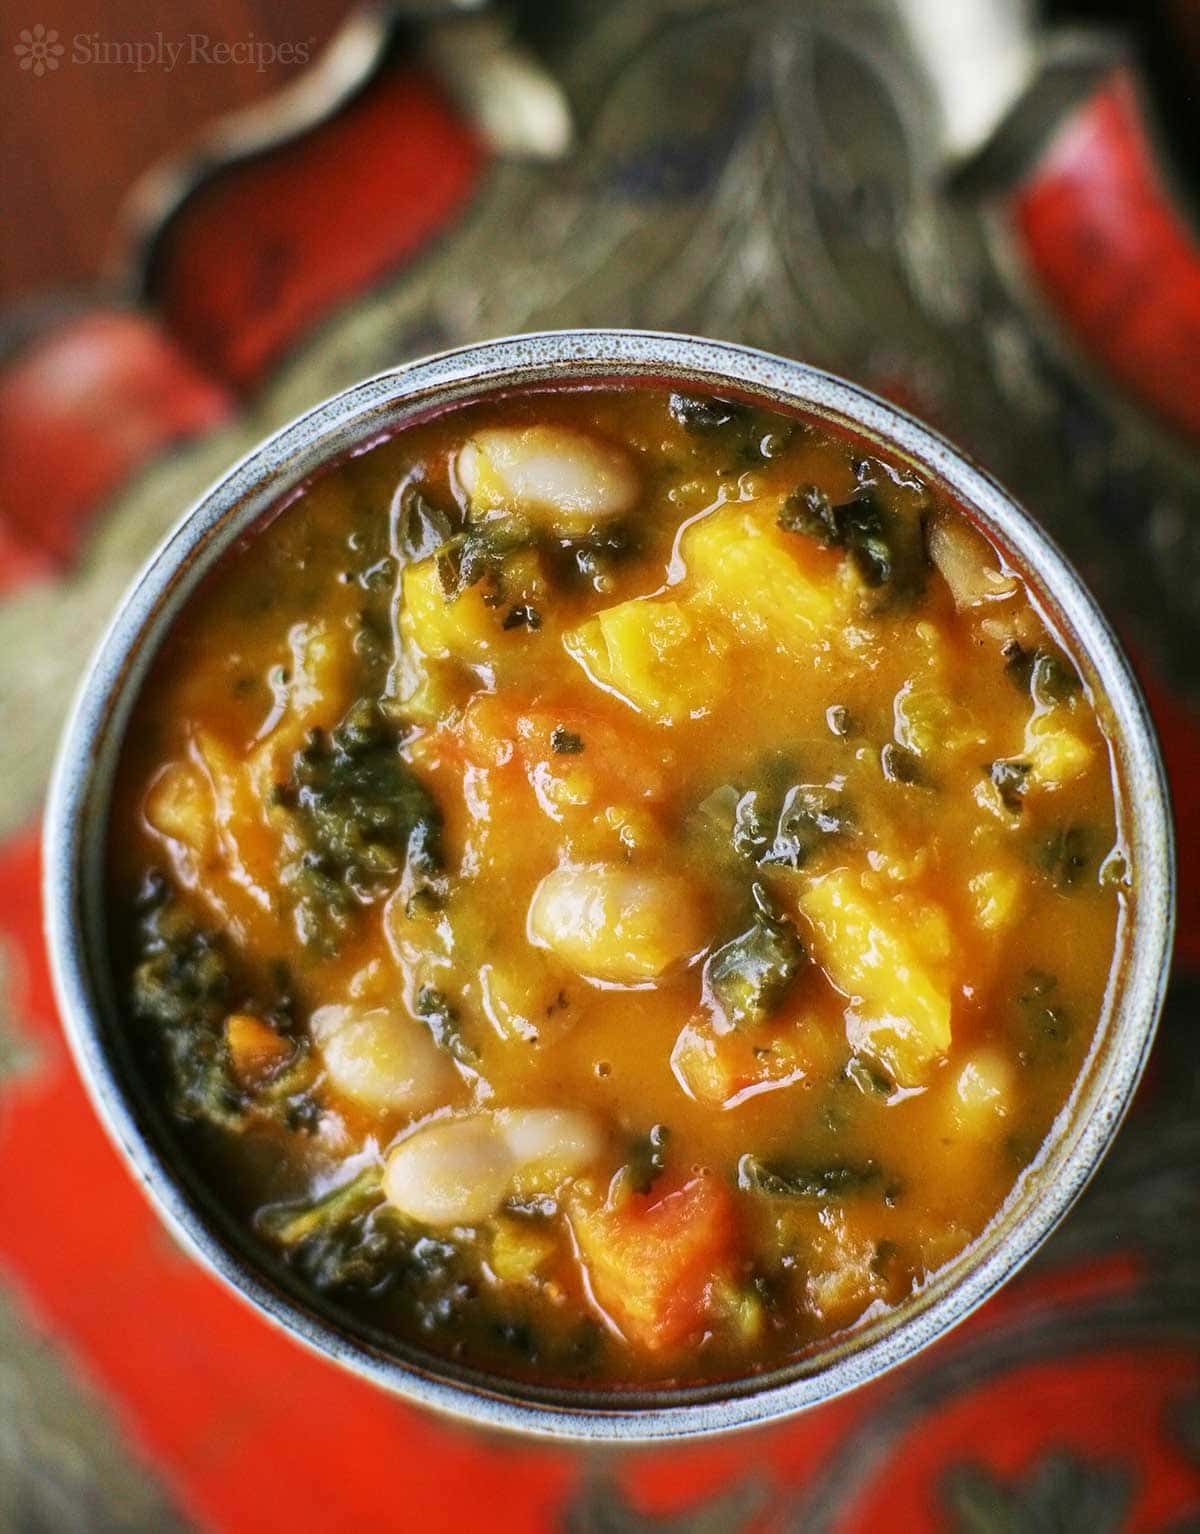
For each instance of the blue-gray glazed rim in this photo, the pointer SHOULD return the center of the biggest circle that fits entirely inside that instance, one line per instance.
(76, 831)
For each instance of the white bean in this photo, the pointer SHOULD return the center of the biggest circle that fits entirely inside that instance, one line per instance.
(574, 479)
(615, 923)
(549, 1144)
(459, 1172)
(381, 1058)
(454, 1173)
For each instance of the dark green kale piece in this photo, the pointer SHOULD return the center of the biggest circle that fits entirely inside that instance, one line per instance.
(445, 1024)
(1009, 778)
(886, 548)
(702, 414)
(1045, 1024)
(1066, 855)
(900, 765)
(179, 990)
(565, 742)
(360, 815)
(751, 436)
(419, 528)
(1048, 677)
(815, 1184)
(351, 1240)
(343, 1240)
(478, 553)
(748, 976)
(648, 1158)
(784, 830)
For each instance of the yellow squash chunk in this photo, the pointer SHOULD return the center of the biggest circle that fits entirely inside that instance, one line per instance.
(770, 585)
(727, 1067)
(254, 1048)
(179, 806)
(886, 954)
(843, 1277)
(982, 1095)
(247, 843)
(930, 722)
(519, 1249)
(660, 657)
(1055, 753)
(322, 674)
(466, 627)
(996, 895)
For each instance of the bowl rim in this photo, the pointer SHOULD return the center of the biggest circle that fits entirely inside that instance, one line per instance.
(75, 833)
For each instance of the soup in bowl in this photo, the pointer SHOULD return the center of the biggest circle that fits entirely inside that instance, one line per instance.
(620, 885)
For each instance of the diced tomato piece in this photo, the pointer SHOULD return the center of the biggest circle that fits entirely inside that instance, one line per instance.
(652, 1261)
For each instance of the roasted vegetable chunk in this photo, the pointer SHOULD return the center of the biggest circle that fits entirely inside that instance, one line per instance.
(889, 957)
(652, 1262)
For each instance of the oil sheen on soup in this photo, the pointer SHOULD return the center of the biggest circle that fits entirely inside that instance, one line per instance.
(615, 887)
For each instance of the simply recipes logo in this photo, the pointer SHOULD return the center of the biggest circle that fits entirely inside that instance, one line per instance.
(40, 49)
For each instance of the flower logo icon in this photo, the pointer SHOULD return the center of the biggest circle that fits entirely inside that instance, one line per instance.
(39, 49)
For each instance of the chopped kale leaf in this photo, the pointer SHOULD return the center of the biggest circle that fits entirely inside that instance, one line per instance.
(444, 1023)
(352, 1240)
(1048, 677)
(359, 815)
(344, 1240)
(181, 992)
(749, 976)
(595, 556)
(808, 510)
(786, 831)
(1053, 679)
(699, 415)
(900, 765)
(477, 554)
(565, 741)
(1045, 1024)
(648, 1158)
(780, 1180)
(419, 528)
(751, 436)
(1009, 778)
(180, 989)
(885, 548)
(1066, 855)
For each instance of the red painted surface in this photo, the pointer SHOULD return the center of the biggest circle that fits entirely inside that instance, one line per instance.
(253, 262)
(94, 397)
(1109, 1409)
(1118, 265)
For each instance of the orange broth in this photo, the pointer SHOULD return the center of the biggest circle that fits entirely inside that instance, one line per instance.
(622, 905)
